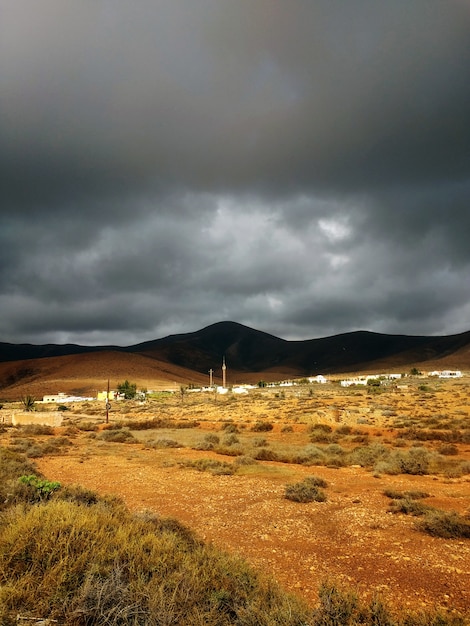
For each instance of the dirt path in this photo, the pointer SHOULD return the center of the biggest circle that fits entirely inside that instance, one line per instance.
(351, 538)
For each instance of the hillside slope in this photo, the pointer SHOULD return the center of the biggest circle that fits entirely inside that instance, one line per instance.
(250, 355)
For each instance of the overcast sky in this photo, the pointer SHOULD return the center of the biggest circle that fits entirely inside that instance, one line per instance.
(298, 166)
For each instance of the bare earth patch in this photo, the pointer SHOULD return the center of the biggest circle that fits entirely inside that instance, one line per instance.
(351, 539)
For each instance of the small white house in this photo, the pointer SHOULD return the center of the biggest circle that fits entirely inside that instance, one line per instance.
(318, 379)
(450, 374)
(239, 390)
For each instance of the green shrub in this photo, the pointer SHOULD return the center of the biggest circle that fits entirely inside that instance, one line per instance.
(443, 524)
(305, 491)
(316, 481)
(408, 506)
(230, 440)
(265, 454)
(369, 455)
(213, 466)
(212, 438)
(415, 461)
(244, 460)
(413, 495)
(40, 488)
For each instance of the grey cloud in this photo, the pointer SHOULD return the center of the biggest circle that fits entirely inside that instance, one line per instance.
(301, 167)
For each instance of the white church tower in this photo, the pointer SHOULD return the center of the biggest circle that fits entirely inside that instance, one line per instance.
(224, 373)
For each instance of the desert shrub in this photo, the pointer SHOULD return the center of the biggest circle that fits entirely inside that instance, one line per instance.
(118, 436)
(305, 491)
(367, 456)
(101, 565)
(444, 524)
(315, 454)
(344, 430)
(413, 495)
(36, 429)
(21, 445)
(335, 449)
(77, 495)
(212, 438)
(230, 440)
(321, 433)
(408, 506)
(265, 454)
(448, 449)
(316, 481)
(244, 460)
(231, 450)
(336, 607)
(287, 429)
(159, 422)
(87, 426)
(260, 427)
(211, 465)
(166, 443)
(415, 461)
(260, 442)
(12, 466)
(325, 428)
(229, 427)
(55, 445)
(209, 442)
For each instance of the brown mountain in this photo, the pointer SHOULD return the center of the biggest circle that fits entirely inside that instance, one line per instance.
(250, 356)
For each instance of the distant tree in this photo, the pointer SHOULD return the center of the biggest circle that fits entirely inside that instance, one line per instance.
(127, 389)
(262, 383)
(414, 371)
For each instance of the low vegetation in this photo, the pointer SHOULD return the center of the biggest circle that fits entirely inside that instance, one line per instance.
(308, 490)
(434, 522)
(70, 556)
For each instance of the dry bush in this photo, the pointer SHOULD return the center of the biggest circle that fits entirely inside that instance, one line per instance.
(118, 436)
(98, 564)
(444, 524)
(260, 427)
(307, 490)
(213, 466)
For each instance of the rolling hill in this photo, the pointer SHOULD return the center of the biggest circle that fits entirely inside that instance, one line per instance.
(250, 354)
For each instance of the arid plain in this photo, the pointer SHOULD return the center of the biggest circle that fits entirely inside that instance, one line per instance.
(221, 465)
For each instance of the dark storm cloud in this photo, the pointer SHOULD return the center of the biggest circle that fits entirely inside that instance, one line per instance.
(301, 167)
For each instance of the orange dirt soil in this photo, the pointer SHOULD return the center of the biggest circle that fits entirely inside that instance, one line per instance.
(351, 539)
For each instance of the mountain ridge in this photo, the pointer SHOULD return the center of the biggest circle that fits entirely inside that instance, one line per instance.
(250, 355)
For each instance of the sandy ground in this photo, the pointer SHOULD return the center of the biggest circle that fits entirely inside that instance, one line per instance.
(351, 539)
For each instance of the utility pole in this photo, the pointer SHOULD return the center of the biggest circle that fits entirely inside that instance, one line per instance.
(108, 405)
(211, 371)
